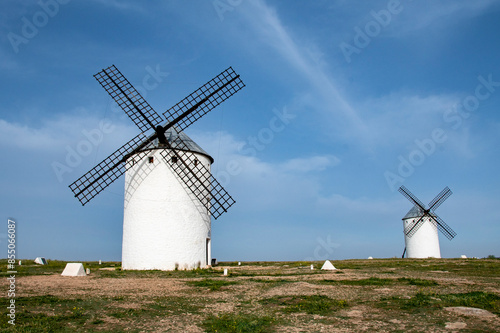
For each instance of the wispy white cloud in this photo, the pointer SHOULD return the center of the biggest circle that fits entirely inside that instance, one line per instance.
(305, 58)
(123, 5)
(280, 184)
(23, 137)
(392, 120)
(53, 135)
(397, 119)
(224, 147)
(314, 163)
(443, 13)
(416, 16)
(363, 209)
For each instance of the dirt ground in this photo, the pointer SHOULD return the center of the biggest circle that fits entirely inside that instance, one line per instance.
(382, 298)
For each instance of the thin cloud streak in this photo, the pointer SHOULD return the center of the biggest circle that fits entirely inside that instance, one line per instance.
(442, 12)
(267, 24)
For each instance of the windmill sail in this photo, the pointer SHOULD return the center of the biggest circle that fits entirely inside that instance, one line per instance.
(128, 98)
(195, 176)
(426, 214)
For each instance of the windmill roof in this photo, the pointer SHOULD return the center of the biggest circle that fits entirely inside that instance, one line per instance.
(414, 212)
(175, 138)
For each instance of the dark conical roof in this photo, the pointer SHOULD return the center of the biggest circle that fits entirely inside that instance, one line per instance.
(174, 138)
(181, 141)
(415, 212)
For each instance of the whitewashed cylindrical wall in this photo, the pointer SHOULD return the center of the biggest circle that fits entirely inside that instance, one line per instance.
(164, 226)
(424, 243)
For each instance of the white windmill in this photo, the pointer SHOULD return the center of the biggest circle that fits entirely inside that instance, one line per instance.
(170, 194)
(421, 226)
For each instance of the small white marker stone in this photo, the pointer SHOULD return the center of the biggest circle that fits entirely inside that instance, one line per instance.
(312, 267)
(19, 262)
(225, 271)
(88, 271)
(99, 262)
(239, 263)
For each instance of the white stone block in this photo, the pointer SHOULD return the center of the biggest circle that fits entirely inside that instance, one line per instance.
(328, 266)
(41, 261)
(74, 269)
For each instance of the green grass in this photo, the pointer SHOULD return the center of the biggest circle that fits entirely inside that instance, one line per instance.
(272, 283)
(423, 301)
(267, 263)
(118, 273)
(374, 281)
(49, 313)
(213, 285)
(29, 268)
(476, 299)
(129, 313)
(464, 267)
(418, 282)
(56, 314)
(238, 323)
(310, 304)
(176, 305)
(279, 272)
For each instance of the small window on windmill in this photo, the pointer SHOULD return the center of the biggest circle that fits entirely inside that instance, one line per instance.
(174, 159)
(151, 159)
(196, 162)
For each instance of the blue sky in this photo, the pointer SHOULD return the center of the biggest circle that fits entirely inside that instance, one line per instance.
(344, 102)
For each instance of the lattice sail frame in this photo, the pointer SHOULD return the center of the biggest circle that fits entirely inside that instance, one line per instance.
(105, 173)
(197, 178)
(203, 99)
(128, 98)
(438, 222)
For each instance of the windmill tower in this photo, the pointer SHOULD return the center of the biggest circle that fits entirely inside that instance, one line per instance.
(421, 226)
(170, 194)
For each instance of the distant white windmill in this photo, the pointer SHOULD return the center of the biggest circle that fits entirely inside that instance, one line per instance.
(421, 226)
(170, 194)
